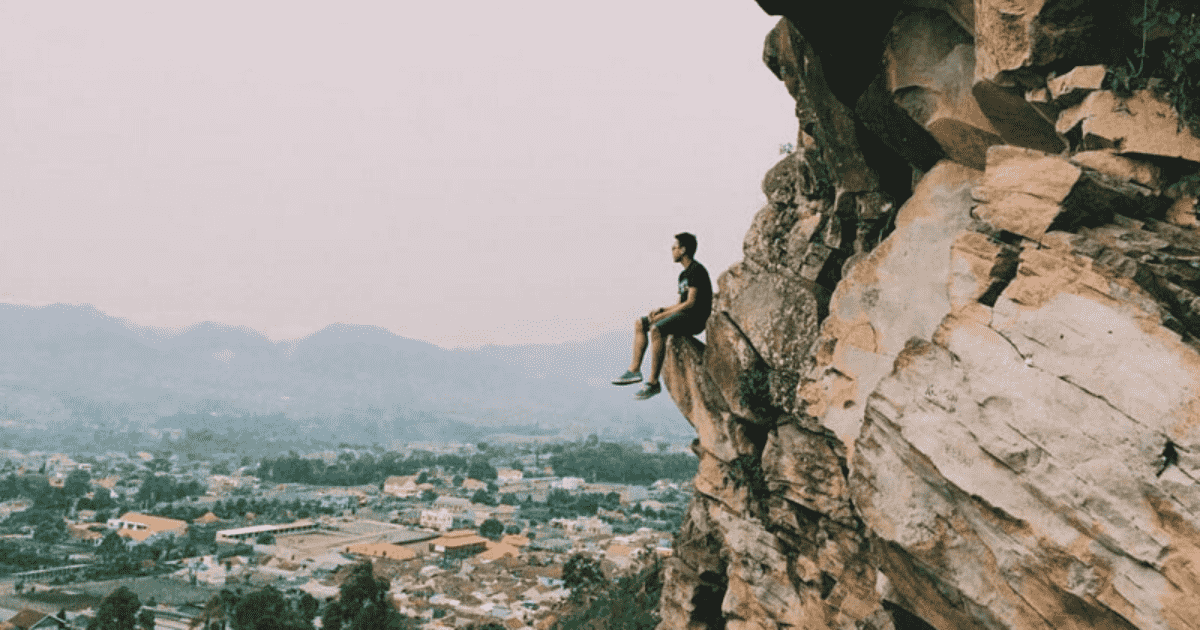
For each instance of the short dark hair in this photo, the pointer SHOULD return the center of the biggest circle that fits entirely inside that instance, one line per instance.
(688, 241)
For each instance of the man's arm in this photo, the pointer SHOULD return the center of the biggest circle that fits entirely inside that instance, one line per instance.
(667, 311)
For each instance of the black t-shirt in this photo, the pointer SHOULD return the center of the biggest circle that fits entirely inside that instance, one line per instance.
(696, 276)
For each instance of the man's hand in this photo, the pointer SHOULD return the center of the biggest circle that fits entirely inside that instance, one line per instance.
(659, 314)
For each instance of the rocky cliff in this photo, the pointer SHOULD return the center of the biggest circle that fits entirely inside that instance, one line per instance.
(953, 383)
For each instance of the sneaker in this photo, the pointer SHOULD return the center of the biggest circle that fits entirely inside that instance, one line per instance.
(650, 389)
(629, 378)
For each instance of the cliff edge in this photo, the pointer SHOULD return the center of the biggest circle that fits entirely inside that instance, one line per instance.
(954, 381)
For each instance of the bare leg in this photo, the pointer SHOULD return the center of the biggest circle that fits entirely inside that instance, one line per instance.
(639, 345)
(658, 342)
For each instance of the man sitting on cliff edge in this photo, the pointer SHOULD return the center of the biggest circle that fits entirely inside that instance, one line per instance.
(686, 317)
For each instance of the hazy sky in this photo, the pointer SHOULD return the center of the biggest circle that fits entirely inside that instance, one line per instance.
(463, 173)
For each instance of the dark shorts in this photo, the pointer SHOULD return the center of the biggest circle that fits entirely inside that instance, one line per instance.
(678, 324)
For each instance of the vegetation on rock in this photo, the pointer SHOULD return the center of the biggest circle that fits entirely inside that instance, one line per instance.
(629, 604)
(1170, 65)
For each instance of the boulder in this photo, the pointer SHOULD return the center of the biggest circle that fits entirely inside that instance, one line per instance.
(1142, 123)
(1183, 212)
(777, 314)
(930, 67)
(1012, 36)
(737, 370)
(1017, 121)
(1122, 168)
(1023, 190)
(887, 120)
(700, 401)
(1072, 87)
(1040, 99)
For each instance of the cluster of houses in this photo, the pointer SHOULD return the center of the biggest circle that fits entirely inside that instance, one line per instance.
(439, 566)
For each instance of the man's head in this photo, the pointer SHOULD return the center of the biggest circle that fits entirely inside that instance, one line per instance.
(687, 242)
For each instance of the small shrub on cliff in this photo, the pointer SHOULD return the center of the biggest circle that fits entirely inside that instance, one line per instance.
(1174, 61)
(747, 471)
(754, 389)
(630, 604)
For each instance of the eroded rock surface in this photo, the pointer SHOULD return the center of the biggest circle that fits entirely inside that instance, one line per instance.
(1143, 124)
(979, 409)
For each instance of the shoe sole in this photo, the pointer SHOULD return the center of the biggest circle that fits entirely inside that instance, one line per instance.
(626, 382)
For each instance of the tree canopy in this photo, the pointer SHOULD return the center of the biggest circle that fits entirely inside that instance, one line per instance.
(267, 609)
(363, 604)
(621, 463)
(118, 611)
(582, 574)
(492, 529)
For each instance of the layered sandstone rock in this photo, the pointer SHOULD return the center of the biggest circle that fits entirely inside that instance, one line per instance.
(1142, 123)
(978, 409)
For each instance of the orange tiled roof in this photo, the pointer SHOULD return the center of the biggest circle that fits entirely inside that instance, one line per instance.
(618, 550)
(208, 517)
(515, 540)
(495, 551)
(139, 535)
(456, 540)
(382, 550)
(26, 618)
(107, 483)
(154, 524)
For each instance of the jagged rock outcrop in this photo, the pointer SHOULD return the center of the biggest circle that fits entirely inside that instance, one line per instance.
(974, 403)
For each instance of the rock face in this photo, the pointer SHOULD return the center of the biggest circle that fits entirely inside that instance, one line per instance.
(975, 404)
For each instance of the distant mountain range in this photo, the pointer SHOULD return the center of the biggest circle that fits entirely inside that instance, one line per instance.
(72, 375)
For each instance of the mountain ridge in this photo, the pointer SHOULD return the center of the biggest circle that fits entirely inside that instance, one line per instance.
(74, 368)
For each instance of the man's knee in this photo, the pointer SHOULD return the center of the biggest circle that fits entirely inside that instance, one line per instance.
(641, 324)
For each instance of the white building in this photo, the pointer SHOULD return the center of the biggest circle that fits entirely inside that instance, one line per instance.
(455, 505)
(473, 484)
(440, 520)
(401, 486)
(508, 475)
(568, 483)
(633, 494)
(587, 526)
(143, 527)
